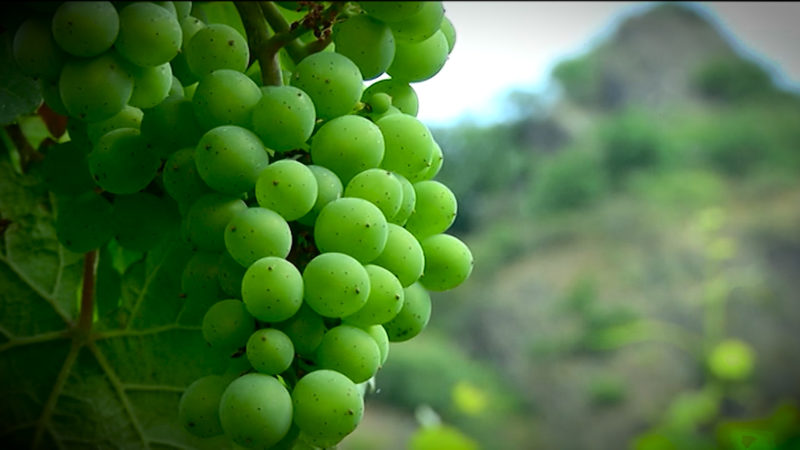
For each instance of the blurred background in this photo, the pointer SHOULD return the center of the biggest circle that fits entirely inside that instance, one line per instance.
(632, 202)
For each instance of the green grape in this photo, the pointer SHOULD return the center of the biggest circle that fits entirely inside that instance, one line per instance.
(409, 201)
(149, 35)
(128, 117)
(350, 351)
(332, 81)
(353, 226)
(151, 85)
(402, 255)
(180, 177)
(230, 158)
(436, 164)
(230, 275)
(421, 25)
(380, 187)
(413, 317)
(180, 66)
(200, 285)
(283, 117)
(305, 329)
(66, 170)
(95, 89)
(391, 11)
(389, 112)
(272, 289)
(198, 409)
(52, 96)
(175, 88)
(448, 262)
(367, 42)
(83, 222)
(35, 51)
(171, 126)
(449, 33)
(385, 298)
(207, 218)
(78, 134)
(380, 102)
(287, 187)
(182, 9)
(419, 61)
(85, 29)
(335, 285)
(169, 6)
(216, 46)
(434, 211)
(141, 220)
(270, 351)
(329, 188)
(256, 411)
(227, 325)
(238, 365)
(403, 96)
(256, 232)
(225, 97)
(327, 407)
(348, 145)
(409, 145)
(378, 333)
(121, 163)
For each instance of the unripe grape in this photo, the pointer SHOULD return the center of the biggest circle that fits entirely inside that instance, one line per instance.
(256, 410)
(149, 34)
(86, 29)
(332, 81)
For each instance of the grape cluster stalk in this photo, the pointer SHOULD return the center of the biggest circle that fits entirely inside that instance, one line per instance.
(309, 201)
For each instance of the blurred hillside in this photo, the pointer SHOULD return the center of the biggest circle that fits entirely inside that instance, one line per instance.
(637, 249)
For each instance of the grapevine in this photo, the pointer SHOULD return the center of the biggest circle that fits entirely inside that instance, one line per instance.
(295, 207)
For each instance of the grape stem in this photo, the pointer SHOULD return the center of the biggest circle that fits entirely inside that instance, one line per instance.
(317, 20)
(263, 46)
(87, 292)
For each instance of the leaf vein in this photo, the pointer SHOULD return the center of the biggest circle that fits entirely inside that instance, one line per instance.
(120, 390)
(30, 340)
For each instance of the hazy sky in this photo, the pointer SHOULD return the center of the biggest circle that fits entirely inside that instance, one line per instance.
(505, 44)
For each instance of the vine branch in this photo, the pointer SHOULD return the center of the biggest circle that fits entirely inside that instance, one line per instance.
(262, 47)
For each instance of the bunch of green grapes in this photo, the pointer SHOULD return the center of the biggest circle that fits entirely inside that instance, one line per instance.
(317, 227)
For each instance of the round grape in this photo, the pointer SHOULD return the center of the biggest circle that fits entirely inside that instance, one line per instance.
(272, 289)
(256, 232)
(256, 410)
(230, 158)
(335, 285)
(287, 187)
(448, 262)
(270, 351)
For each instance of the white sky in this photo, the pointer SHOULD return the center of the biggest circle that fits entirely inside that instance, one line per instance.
(500, 45)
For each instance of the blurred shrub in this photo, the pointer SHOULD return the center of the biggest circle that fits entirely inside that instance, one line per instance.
(732, 79)
(580, 80)
(568, 180)
(681, 189)
(443, 366)
(630, 142)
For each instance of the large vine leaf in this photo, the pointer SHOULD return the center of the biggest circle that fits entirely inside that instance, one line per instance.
(118, 385)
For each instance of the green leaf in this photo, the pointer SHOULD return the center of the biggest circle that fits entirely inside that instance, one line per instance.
(118, 388)
(19, 94)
